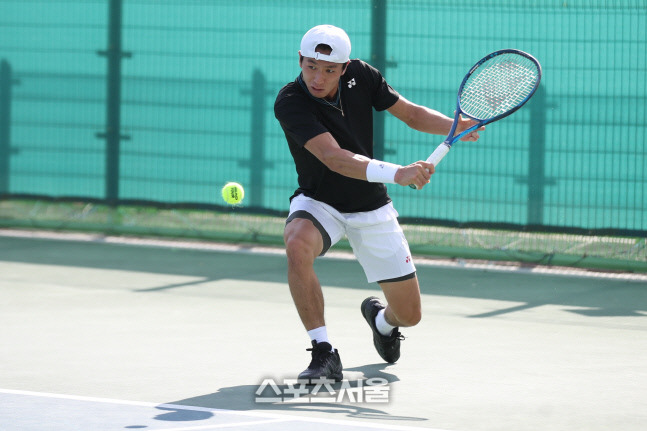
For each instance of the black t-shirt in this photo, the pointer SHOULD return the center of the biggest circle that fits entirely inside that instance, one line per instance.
(303, 117)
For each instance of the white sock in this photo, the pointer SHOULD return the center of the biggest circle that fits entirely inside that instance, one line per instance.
(381, 324)
(320, 335)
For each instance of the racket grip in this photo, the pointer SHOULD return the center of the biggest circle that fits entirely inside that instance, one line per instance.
(438, 154)
(435, 157)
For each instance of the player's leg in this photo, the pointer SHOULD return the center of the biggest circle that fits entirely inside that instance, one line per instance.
(309, 232)
(303, 243)
(404, 305)
(402, 309)
(381, 248)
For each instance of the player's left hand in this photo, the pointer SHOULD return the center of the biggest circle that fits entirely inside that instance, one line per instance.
(466, 123)
(417, 173)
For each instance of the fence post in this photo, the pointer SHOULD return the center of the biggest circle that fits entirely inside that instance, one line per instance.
(5, 124)
(536, 158)
(257, 163)
(378, 60)
(258, 139)
(112, 134)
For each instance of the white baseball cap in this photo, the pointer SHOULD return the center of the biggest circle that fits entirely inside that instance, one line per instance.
(329, 35)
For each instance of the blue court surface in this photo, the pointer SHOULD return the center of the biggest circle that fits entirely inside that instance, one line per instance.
(103, 333)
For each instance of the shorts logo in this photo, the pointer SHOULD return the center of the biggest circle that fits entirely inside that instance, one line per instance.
(408, 259)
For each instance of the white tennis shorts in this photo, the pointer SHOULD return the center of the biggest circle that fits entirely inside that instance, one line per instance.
(375, 236)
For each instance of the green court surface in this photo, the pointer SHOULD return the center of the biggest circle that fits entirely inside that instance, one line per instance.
(109, 333)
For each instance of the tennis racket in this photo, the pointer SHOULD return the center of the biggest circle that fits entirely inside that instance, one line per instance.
(495, 87)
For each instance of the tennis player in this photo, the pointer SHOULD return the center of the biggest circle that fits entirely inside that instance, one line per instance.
(327, 117)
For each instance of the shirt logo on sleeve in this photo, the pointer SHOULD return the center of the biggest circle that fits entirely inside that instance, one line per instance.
(351, 83)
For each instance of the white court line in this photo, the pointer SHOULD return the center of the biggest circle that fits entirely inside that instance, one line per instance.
(268, 417)
(217, 426)
(333, 254)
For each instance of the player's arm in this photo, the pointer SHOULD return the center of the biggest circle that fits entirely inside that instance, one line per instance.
(325, 148)
(427, 120)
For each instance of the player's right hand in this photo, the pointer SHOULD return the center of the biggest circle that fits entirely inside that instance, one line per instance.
(417, 173)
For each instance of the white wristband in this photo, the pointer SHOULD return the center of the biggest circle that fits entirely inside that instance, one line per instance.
(378, 171)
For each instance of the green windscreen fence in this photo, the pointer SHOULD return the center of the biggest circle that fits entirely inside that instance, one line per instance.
(138, 102)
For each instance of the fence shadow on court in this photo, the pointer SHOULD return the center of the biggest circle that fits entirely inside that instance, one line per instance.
(592, 297)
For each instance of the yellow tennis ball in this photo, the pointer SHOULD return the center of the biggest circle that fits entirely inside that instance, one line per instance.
(233, 193)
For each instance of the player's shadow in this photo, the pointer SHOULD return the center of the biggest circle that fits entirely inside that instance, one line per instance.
(252, 398)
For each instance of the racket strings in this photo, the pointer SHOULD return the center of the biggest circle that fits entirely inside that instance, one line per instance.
(498, 85)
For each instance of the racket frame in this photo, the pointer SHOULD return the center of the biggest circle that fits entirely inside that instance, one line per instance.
(483, 121)
(444, 147)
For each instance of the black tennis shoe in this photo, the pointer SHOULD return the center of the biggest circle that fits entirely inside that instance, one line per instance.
(387, 346)
(325, 364)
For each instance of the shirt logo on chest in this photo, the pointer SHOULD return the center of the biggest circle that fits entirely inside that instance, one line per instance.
(351, 83)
